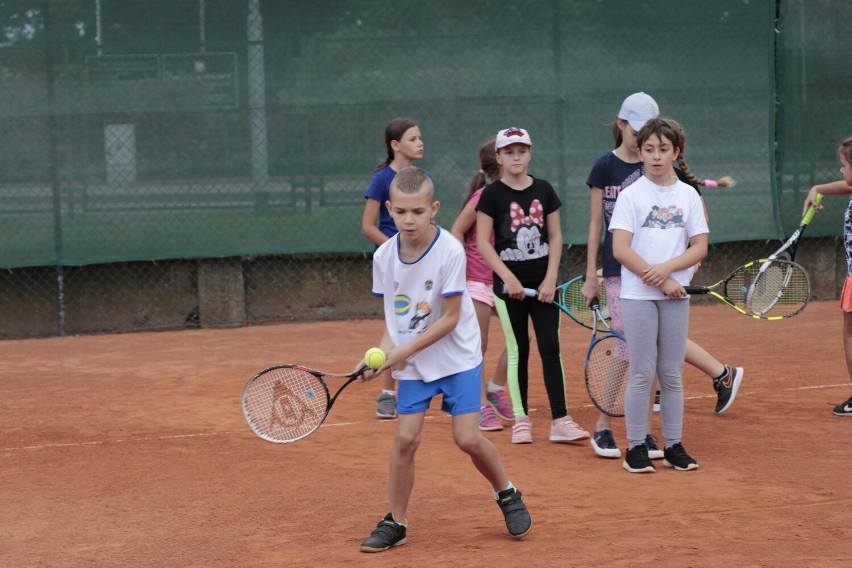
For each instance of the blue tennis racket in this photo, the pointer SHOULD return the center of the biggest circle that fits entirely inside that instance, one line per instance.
(569, 298)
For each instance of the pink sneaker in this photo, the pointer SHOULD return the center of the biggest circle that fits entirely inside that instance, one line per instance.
(522, 430)
(488, 419)
(566, 430)
(501, 404)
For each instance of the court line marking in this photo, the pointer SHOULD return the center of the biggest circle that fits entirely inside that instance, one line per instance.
(118, 441)
(326, 425)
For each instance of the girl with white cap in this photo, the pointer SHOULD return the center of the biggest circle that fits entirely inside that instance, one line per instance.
(522, 211)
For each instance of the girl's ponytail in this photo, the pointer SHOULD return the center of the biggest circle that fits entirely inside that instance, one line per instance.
(726, 181)
(489, 170)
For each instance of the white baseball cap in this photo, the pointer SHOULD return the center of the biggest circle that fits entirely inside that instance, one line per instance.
(512, 135)
(637, 109)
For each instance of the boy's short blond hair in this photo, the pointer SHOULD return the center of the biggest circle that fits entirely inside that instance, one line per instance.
(411, 180)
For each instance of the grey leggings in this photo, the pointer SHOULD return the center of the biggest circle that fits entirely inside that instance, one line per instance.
(656, 341)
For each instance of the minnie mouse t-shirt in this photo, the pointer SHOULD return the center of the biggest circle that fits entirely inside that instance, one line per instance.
(520, 228)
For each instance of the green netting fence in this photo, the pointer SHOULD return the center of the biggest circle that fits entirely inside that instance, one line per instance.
(167, 131)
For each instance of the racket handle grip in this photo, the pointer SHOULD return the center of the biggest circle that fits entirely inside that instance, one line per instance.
(812, 210)
(693, 289)
(529, 292)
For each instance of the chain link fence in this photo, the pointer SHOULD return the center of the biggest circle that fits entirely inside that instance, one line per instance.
(177, 163)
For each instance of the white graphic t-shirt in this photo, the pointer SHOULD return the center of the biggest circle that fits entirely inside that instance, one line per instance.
(413, 296)
(662, 220)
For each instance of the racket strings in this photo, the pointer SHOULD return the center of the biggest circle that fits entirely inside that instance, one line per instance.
(764, 288)
(780, 289)
(607, 370)
(572, 297)
(285, 404)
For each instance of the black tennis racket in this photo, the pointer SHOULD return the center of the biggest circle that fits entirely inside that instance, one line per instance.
(286, 403)
(607, 366)
(569, 298)
(763, 289)
(787, 251)
(757, 298)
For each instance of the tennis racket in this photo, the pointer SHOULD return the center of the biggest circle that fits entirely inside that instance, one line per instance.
(782, 289)
(607, 366)
(286, 403)
(788, 249)
(569, 298)
(757, 298)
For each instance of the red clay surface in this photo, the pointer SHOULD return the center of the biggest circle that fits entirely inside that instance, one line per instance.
(131, 450)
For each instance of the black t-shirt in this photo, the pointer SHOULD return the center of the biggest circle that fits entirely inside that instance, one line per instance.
(520, 227)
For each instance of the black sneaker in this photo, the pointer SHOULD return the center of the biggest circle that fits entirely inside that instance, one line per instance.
(677, 458)
(518, 519)
(637, 460)
(844, 408)
(654, 451)
(388, 533)
(726, 387)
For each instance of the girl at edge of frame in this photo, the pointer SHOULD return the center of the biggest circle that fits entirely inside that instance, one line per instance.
(842, 187)
(522, 212)
(659, 232)
(404, 145)
(495, 403)
(611, 173)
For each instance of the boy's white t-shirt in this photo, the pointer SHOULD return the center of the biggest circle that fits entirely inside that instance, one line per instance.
(413, 296)
(662, 220)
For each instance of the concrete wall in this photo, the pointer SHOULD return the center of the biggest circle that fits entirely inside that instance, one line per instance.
(235, 291)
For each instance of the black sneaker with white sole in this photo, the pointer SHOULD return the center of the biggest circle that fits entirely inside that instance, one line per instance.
(388, 533)
(677, 458)
(518, 519)
(637, 460)
(726, 387)
(844, 408)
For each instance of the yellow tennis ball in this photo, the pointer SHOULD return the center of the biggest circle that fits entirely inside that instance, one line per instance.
(374, 358)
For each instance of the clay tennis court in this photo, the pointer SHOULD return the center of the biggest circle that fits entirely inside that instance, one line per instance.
(131, 450)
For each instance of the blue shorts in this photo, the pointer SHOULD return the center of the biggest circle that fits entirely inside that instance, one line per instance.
(461, 393)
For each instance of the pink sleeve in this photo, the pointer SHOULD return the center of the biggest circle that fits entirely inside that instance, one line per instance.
(474, 198)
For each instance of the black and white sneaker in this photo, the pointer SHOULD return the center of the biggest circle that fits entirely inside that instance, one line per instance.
(677, 458)
(637, 460)
(604, 444)
(388, 533)
(518, 519)
(844, 408)
(727, 386)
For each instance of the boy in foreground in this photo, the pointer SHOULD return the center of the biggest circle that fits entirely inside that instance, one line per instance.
(432, 347)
